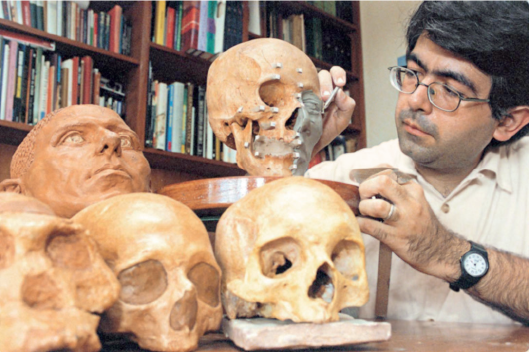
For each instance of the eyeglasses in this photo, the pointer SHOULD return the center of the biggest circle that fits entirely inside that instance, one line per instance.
(440, 95)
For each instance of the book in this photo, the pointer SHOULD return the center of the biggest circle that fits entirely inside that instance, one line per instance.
(40, 14)
(178, 26)
(169, 117)
(115, 28)
(220, 20)
(159, 26)
(43, 97)
(51, 16)
(153, 111)
(68, 65)
(28, 40)
(298, 31)
(96, 78)
(59, 20)
(170, 27)
(38, 79)
(4, 81)
(202, 44)
(6, 10)
(161, 117)
(11, 79)
(17, 99)
(211, 29)
(184, 120)
(190, 25)
(148, 118)
(50, 88)
(65, 87)
(30, 90)
(178, 101)
(33, 12)
(26, 14)
(254, 21)
(88, 66)
(189, 117)
(199, 135)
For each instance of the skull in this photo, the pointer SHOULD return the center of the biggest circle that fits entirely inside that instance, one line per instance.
(291, 249)
(264, 100)
(51, 280)
(160, 252)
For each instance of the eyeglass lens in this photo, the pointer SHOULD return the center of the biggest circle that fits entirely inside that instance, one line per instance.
(442, 96)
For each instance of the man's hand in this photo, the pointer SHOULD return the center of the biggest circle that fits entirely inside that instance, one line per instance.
(338, 115)
(413, 232)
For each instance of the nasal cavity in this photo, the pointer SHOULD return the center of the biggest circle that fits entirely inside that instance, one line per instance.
(322, 287)
(184, 312)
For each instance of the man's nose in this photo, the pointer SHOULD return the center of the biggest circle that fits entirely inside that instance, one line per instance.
(419, 100)
(110, 144)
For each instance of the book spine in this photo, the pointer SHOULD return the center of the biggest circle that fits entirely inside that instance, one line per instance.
(178, 101)
(26, 13)
(148, 132)
(159, 27)
(190, 25)
(178, 26)
(200, 120)
(170, 27)
(189, 118)
(169, 117)
(44, 87)
(184, 120)
(161, 117)
(4, 82)
(88, 65)
(202, 44)
(38, 78)
(30, 95)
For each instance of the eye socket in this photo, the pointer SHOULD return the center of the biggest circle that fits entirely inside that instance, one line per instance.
(126, 141)
(73, 138)
(347, 258)
(206, 280)
(279, 256)
(142, 283)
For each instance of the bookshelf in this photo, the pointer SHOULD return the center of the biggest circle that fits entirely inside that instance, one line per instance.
(169, 65)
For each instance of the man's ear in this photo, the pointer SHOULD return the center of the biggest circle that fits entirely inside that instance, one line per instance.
(517, 119)
(12, 185)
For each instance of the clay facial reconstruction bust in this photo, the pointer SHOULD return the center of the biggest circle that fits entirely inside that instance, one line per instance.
(291, 249)
(78, 156)
(263, 99)
(161, 254)
(52, 280)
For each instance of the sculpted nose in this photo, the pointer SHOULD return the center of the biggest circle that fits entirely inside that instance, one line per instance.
(110, 144)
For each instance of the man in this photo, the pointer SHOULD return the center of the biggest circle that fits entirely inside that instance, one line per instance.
(462, 111)
(78, 156)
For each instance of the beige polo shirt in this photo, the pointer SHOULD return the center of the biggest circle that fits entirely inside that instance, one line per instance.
(490, 207)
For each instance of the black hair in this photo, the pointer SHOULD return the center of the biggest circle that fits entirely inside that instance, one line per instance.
(492, 35)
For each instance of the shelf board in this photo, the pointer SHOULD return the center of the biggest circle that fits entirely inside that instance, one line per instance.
(103, 59)
(13, 132)
(311, 10)
(159, 159)
(173, 65)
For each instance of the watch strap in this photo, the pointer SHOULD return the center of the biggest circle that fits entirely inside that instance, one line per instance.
(466, 280)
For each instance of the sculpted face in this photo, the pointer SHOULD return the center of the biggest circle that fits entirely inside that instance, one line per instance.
(85, 154)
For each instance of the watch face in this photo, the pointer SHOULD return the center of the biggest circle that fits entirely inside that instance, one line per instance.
(475, 264)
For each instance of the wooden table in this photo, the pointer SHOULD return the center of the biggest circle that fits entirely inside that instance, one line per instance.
(406, 336)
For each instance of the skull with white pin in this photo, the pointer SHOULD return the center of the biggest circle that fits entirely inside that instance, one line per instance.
(263, 99)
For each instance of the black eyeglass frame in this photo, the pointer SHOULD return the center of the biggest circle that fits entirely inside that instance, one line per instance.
(419, 83)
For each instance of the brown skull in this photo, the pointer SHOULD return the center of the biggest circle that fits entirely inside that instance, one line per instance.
(160, 252)
(51, 281)
(264, 100)
(291, 249)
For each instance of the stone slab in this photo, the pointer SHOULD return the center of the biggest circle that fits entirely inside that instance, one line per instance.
(261, 333)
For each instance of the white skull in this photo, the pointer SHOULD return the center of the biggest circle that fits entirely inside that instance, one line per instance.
(263, 99)
(291, 249)
(160, 252)
(51, 281)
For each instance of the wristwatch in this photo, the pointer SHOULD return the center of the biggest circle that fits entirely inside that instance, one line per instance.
(474, 265)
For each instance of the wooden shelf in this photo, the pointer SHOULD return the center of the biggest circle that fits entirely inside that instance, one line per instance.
(171, 65)
(291, 7)
(13, 132)
(159, 159)
(103, 59)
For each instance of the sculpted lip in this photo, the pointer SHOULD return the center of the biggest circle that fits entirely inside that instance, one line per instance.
(111, 169)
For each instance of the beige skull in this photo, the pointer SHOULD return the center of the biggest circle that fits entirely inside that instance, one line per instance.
(51, 281)
(291, 249)
(264, 100)
(160, 252)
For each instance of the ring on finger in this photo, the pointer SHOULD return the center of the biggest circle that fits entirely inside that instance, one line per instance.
(391, 212)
